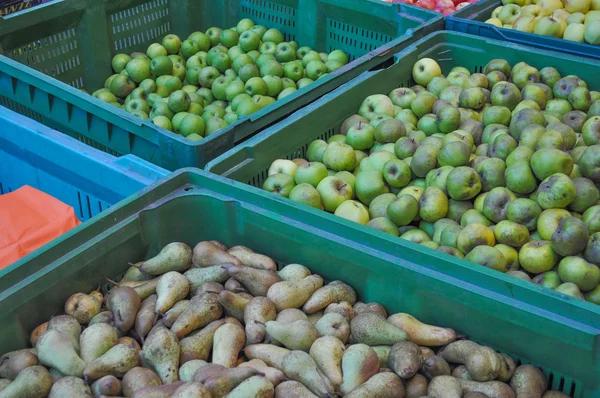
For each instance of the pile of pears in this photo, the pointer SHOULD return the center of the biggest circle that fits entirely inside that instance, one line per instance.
(197, 85)
(501, 168)
(225, 322)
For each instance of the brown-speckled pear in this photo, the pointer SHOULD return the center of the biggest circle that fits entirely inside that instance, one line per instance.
(372, 328)
(293, 389)
(165, 391)
(334, 324)
(175, 256)
(435, 366)
(343, 308)
(493, 388)
(528, 381)
(192, 390)
(96, 340)
(333, 292)
(107, 385)
(299, 366)
(268, 353)
(297, 335)
(228, 341)
(220, 380)
(445, 387)
(171, 288)
(256, 313)
(416, 386)
(252, 259)
(482, 363)
(293, 294)
(328, 351)
(67, 325)
(294, 272)
(359, 364)
(381, 385)
(70, 386)
(83, 307)
(199, 344)
(55, 349)
(187, 370)
(421, 333)
(146, 317)
(255, 386)
(275, 376)
(405, 358)
(202, 310)
(35, 381)
(138, 377)
(12, 363)
(256, 281)
(369, 307)
(161, 352)
(116, 362)
(207, 254)
(234, 303)
(124, 303)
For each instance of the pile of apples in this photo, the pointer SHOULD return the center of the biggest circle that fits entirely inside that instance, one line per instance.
(501, 168)
(445, 7)
(201, 84)
(573, 20)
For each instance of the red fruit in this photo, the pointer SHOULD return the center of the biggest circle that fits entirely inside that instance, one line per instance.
(462, 5)
(445, 4)
(428, 4)
(447, 11)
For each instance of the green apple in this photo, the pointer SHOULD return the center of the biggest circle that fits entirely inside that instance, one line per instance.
(306, 194)
(162, 121)
(403, 210)
(310, 56)
(548, 221)
(119, 62)
(402, 97)
(273, 35)
(474, 235)
(172, 43)
(207, 76)
(496, 202)
(293, 70)
(425, 70)
(176, 120)
(271, 68)
(256, 86)
(247, 107)
(161, 109)
(305, 81)
(228, 38)
(505, 94)
(339, 156)
(137, 105)
(454, 154)
(248, 72)
(378, 206)
(121, 86)
(221, 61)
(155, 50)
(578, 271)
(105, 95)
(264, 58)
(249, 41)
(310, 172)
(448, 119)
(316, 150)
(375, 105)
(179, 101)
(283, 166)
(589, 163)
(383, 224)
(334, 191)
(338, 55)
(268, 47)
(463, 183)
(396, 173)
(433, 204)
(580, 98)
(279, 184)
(570, 237)
(213, 125)
(360, 136)
(314, 69)
(422, 104)
(285, 53)
(285, 92)
(191, 124)
(587, 195)
(473, 216)
(203, 41)
(353, 211)
(369, 184)
(592, 32)
(575, 32)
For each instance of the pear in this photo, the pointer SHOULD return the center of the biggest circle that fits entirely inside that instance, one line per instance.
(445, 387)
(199, 344)
(161, 352)
(130, 341)
(255, 386)
(269, 354)
(107, 385)
(372, 328)
(228, 341)
(137, 378)
(333, 292)
(299, 366)
(187, 370)
(275, 376)
(175, 256)
(232, 284)
(482, 363)
(146, 317)
(147, 288)
(383, 352)
(12, 363)
(56, 374)
(199, 276)
(171, 288)
(334, 324)
(528, 380)
(103, 317)
(70, 387)
(97, 340)
(293, 272)
(359, 363)
(293, 389)
(201, 311)
(219, 244)
(67, 325)
(220, 380)
(207, 254)
(258, 311)
(492, 389)
(416, 386)
(234, 303)
(435, 366)
(293, 294)
(175, 312)
(133, 273)
(56, 349)
(315, 317)
(257, 281)
(252, 259)
(381, 385)
(369, 307)
(421, 333)
(298, 335)
(83, 307)
(165, 391)
(34, 381)
(291, 315)
(212, 287)
(507, 368)
(343, 308)
(192, 390)
(37, 332)
(327, 351)
(124, 303)
(4, 383)
(116, 362)
(460, 372)
(406, 359)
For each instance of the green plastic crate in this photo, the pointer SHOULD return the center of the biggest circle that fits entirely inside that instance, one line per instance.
(180, 209)
(74, 41)
(250, 161)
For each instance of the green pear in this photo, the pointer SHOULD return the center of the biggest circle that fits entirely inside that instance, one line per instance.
(327, 352)
(137, 378)
(234, 303)
(359, 363)
(334, 324)
(372, 328)
(96, 340)
(34, 381)
(293, 294)
(55, 349)
(299, 366)
(405, 358)
(298, 335)
(171, 288)
(381, 385)
(228, 341)
(255, 386)
(293, 272)
(67, 325)
(270, 354)
(199, 344)
(157, 391)
(333, 292)
(220, 380)
(256, 313)
(175, 256)
(199, 276)
(293, 389)
(161, 352)
(124, 302)
(116, 362)
(202, 310)
(12, 363)
(257, 281)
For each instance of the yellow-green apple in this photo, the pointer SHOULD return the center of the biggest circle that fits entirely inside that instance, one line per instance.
(334, 191)
(424, 70)
(283, 166)
(549, 26)
(374, 105)
(306, 194)
(353, 211)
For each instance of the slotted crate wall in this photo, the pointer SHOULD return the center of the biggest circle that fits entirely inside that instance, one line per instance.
(74, 41)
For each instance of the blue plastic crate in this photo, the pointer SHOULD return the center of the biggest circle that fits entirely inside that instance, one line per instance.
(85, 178)
(471, 19)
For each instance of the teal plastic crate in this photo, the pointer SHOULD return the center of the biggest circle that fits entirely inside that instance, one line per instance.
(472, 19)
(73, 41)
(179, 209)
